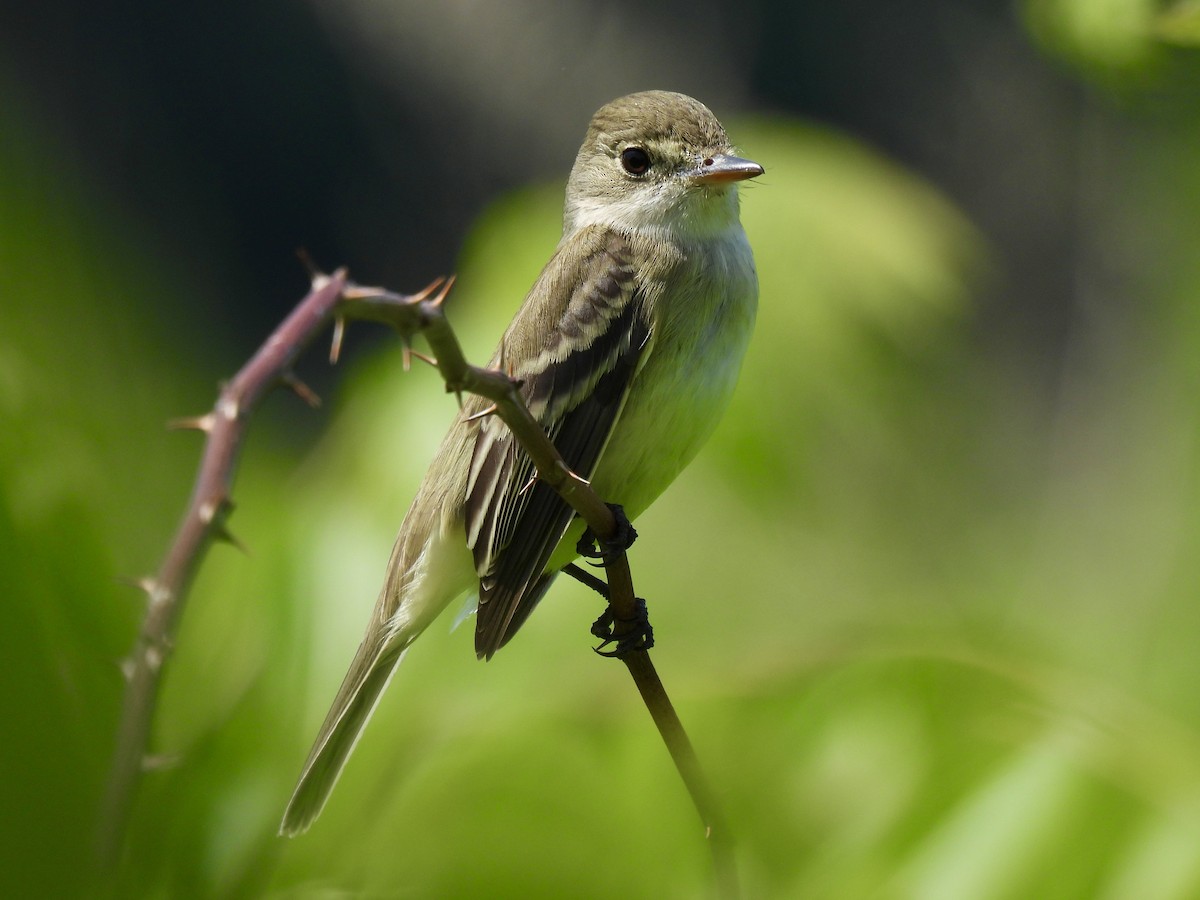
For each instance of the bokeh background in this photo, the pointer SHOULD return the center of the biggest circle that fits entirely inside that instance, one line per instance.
(928, 603)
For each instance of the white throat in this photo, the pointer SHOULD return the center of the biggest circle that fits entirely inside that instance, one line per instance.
(687, 214)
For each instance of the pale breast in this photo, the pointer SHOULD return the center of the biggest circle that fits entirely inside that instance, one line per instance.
(702, 328)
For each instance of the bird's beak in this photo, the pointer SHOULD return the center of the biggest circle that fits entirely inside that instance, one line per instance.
(721, 167)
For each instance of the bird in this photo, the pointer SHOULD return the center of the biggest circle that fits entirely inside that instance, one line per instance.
(627, 349)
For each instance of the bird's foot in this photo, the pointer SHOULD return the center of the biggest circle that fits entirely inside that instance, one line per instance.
(637, 633)
(596, 550)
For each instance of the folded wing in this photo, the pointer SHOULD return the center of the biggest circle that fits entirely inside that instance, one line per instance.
(587, 344)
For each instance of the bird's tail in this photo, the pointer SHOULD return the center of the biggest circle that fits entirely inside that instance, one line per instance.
(364, 684)
(429, 567)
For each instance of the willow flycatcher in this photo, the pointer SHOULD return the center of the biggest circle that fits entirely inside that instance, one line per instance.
(627, 347)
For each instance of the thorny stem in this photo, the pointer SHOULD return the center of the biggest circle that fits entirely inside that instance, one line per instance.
(203, 522)
(334, 299)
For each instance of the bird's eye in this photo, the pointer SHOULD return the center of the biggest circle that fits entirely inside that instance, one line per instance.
(635, 160)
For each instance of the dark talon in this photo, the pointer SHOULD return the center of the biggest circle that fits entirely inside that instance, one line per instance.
(640, 636)
(592, 549)
(603, 626)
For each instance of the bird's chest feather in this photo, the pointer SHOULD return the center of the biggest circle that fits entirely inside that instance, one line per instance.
(702, 324)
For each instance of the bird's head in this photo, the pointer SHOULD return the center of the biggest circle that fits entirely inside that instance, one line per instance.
(656, 160)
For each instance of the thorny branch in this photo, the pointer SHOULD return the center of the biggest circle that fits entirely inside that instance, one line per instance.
(333, 298)
(203, 523)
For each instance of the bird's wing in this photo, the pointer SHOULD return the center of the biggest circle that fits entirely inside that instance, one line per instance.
(579, 354)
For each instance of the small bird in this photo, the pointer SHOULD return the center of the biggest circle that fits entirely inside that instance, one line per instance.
(627, 348)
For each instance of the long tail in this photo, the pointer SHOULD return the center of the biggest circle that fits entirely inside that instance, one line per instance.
(430, 566)
(356, 699)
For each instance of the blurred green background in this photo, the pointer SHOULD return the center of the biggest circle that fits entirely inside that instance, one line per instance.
(927, 603)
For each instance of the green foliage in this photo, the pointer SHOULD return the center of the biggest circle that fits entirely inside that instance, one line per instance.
(931, 639)
(1180, 23)
(1104, 34)
(1122, 44)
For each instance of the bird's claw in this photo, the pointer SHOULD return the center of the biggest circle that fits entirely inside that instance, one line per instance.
(639, 635)
(596, 550)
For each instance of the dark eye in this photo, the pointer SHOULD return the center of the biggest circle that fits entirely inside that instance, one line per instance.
(635, 160)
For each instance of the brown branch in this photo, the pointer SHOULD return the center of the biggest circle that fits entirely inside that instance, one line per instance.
(204, 521)
(333, 299)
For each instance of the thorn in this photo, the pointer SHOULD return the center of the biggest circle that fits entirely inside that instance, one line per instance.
(223, 534)
(503, 363)
(192, 423)
(507, 368)
(423, 358)
(301, 390)
(533, 479)
(339, 332)
(309, 266)
(360, 292)
(439, 298)
(428, 291)
(213, 513)
(483, 413)
(571, 474)
(145, 584)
